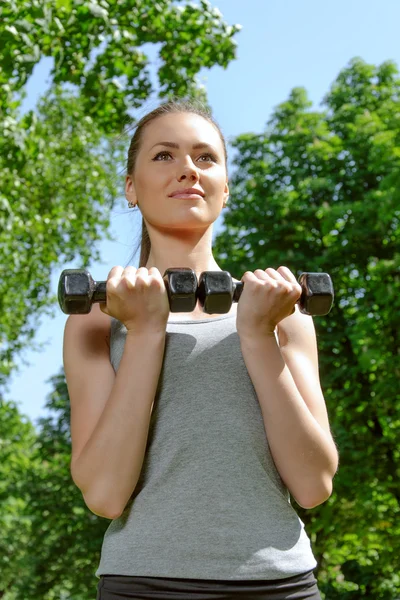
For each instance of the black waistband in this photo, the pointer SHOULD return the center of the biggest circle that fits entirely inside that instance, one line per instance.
(297, 587)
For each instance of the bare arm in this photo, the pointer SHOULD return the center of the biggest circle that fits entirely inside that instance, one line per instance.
(108, 467)
(296, 425)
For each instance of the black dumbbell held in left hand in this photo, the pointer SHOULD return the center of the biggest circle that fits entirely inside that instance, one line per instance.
(217, 291)
(78, 291)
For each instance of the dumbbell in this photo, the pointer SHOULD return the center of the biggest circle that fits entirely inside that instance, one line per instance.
(77, 290)
(217, 291)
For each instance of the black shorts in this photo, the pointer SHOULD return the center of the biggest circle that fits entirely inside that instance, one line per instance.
(118, 587)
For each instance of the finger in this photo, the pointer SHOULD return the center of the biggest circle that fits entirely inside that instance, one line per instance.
(129, 274)
(260, 274)
(283, 274)
(116, 272)
(287, 274)
(273, 274)
(130, 268)
(249, 276)
(155, 279)
(128, 277)
(142, 274)
(154, 273)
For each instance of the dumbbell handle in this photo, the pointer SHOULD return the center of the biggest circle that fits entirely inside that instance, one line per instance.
(100, 291)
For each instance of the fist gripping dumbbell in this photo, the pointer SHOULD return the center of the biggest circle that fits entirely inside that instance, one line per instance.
(77, 290)
(216, 291)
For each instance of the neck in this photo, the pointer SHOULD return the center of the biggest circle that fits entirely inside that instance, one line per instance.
(182, 248)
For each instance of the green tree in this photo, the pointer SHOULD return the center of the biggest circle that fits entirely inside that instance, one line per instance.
(58, 164)
(58, 173)
(320, 191)
(97, 47)
(50, 542)
(16, 440)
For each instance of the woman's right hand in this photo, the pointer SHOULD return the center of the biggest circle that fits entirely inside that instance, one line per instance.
(138, 298)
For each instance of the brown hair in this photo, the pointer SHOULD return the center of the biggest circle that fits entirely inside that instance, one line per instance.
(173, 106)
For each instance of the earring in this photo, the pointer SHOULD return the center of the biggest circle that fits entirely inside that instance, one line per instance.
(226, 201)
(131, 205)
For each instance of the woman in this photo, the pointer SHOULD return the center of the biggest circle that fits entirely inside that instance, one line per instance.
(190, 430)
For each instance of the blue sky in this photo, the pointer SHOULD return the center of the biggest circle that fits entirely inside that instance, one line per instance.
(283, 44)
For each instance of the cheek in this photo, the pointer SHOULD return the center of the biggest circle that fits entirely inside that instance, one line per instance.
(213, 176)
(146, 183)
(152, 188)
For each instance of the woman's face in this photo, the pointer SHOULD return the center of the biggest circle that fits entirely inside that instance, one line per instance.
(168, 161)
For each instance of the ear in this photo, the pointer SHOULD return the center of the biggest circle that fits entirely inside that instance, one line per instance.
(226, 191)
(130, 192)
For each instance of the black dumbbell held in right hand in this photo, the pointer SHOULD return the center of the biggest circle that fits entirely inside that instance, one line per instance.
(217, 292)
(77, 290)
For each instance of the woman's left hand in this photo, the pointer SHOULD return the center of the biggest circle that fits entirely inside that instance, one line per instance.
(267, 298)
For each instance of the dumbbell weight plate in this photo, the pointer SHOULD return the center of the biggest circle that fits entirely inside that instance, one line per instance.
(317, 295)
(77, 290)
(181, 285)
(215, 292)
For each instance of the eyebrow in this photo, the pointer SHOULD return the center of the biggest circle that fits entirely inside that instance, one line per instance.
(194, 147)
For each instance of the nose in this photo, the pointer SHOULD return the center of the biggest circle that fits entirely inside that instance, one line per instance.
(189, 171)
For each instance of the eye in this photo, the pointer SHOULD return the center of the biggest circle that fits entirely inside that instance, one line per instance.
(164, 152)
(161, 154)
(211, 156)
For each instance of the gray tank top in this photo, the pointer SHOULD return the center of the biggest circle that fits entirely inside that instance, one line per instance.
(209, 503)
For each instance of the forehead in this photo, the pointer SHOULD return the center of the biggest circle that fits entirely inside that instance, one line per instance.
(182, 128)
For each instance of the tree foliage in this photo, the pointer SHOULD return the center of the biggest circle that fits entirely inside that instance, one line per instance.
(58, 175)
(320, 191)
(50, 541)
(96, 46)
(58, 164)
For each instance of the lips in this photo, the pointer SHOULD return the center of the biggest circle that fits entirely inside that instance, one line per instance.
(187, 191)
